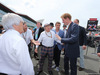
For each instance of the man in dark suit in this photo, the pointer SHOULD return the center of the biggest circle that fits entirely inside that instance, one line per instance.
(37, 32)
(82, 43)
(98, 53)
(71, 42)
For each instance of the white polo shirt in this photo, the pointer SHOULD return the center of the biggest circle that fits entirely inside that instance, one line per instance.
(46, 40)
(27, 36)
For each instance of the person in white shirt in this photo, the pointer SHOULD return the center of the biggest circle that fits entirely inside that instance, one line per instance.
(28, 37)
(14, 54)
(51, 26)
(64, 29)
(47, 38)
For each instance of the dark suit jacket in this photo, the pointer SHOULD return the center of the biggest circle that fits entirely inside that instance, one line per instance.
(98, 50)
(40, 30)
(82, 36)
(72, 41)
(0, 31)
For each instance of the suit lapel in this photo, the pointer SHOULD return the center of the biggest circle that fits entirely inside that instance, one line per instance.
(55, 31)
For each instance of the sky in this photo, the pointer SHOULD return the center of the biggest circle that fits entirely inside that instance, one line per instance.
(51, 10)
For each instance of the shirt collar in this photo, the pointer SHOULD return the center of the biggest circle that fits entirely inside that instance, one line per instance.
(14, 31)
(47, 32)
(68, 25)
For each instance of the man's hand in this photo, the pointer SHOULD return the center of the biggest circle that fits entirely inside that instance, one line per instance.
(36, 42)
(62, 49)
(84, 47)
(57, 36)
(98, 54)
(36, 51)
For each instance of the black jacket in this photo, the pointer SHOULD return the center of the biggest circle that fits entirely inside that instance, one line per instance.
(82, 36)
(41, 29)
(98, 50)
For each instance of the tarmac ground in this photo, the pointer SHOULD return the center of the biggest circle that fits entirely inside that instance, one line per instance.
(92, 64)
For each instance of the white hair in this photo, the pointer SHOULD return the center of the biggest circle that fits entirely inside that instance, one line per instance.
(10, 19)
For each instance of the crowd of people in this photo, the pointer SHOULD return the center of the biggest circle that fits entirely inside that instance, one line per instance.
(17, 39)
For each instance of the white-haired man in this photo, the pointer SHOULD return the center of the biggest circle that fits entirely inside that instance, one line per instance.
(14, 55)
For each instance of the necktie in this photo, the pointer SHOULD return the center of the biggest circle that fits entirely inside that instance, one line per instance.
(36, 34)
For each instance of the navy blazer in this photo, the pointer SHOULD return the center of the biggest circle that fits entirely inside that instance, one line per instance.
(72, 41)
(61, 34)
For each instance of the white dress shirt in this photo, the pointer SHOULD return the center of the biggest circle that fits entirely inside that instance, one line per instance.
(68, 26)
(47, 41)
(65, 31)
(27, 36)
(14, 55)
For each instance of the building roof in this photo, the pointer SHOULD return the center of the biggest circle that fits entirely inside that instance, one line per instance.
(6, 9)
(41, 20)
(25, 16)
